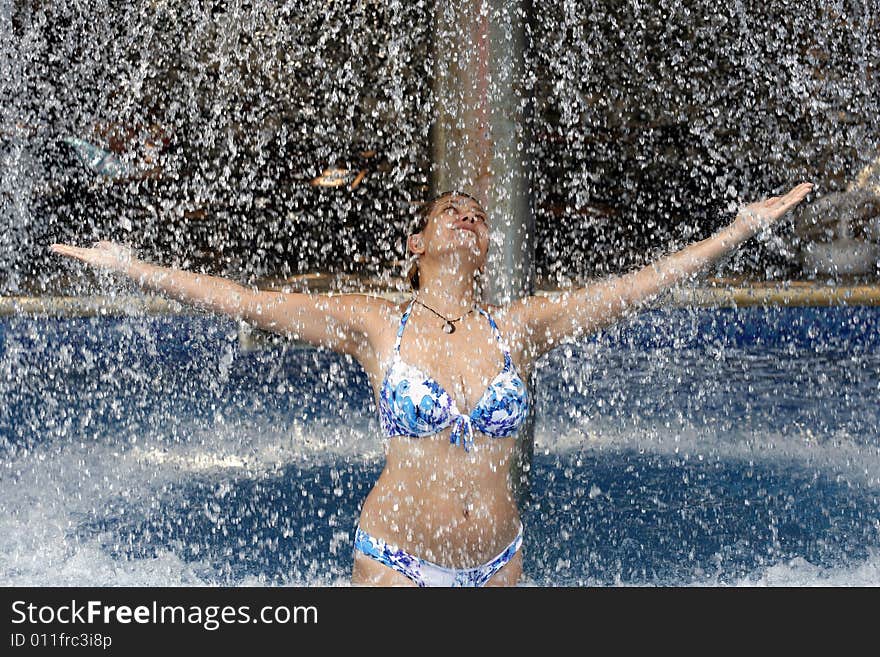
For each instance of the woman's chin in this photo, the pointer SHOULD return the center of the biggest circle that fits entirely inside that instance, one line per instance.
(464, 259)
(469, 244)
(471, 253)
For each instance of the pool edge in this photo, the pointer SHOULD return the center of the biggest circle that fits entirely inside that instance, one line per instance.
(720, 295)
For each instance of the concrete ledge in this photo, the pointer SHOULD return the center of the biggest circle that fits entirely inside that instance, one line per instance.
(118, 305)
(718, 294)
(789, 294)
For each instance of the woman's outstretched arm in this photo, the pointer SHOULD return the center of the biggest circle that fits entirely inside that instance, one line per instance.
(549, 321)
(340, 322)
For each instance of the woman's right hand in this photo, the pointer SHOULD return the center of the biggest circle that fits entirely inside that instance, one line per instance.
(107, 255)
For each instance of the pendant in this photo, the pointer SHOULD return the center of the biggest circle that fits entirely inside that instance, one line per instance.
(448, 327)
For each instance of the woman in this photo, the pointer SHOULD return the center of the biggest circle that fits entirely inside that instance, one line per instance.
(449, 378)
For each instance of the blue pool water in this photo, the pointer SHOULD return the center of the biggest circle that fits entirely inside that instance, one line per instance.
(733, 446)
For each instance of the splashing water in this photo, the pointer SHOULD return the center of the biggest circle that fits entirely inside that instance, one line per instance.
(755, 460)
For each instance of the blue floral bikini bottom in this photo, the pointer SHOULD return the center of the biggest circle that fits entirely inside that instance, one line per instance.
(425, 573)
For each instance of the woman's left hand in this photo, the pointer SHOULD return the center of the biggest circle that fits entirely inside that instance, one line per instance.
(758, 216)
(104, 254)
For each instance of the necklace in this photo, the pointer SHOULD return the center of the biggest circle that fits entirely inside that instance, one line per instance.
(449, 326)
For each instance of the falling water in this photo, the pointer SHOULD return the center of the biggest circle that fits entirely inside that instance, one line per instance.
(718, 446)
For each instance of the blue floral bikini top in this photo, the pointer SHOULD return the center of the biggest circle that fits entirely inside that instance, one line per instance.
(415, 405)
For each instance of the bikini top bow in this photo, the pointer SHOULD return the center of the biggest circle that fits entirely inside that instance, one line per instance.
(462, 431)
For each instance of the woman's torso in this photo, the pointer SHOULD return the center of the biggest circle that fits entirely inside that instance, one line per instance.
(434, 499)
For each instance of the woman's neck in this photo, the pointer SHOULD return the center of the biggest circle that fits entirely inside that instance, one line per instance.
(450, 293)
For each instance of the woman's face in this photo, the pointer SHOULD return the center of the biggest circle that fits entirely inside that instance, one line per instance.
(458, 223)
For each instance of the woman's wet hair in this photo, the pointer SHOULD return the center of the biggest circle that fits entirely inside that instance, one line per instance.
(421, 223)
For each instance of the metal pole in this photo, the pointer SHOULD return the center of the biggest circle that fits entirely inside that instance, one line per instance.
(479, 145)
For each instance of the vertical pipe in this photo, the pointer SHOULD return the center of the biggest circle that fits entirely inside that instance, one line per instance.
(479, 145)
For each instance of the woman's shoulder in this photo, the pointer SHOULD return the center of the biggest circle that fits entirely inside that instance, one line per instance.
(504, 316)
(507, 312)
(380, 311)
(513, 317)
(508, 318)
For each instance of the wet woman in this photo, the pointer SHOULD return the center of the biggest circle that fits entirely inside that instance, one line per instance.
(449, 376)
